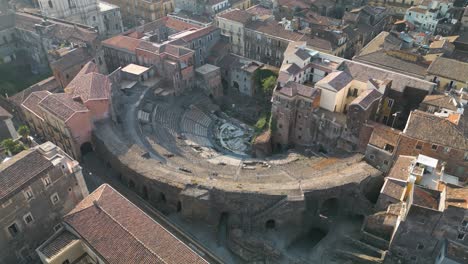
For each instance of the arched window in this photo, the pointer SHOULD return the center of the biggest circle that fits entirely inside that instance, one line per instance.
(270, 224)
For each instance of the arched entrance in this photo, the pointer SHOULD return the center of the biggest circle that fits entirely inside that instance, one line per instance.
(270, 224)
(223, 228)
(86, 148)
(131, 184)
(162, 198)
(144, 193)
(329, 207)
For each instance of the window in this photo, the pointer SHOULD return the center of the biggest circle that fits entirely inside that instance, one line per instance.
(461, 236)
(46, 181)
(389, 148)
(420, 246)
(94, 18)
(413, 258)
(66, 262)
(50, 4)
(371, 156)
(466, 156)
(28, 193)
(419, 146)
(28, 218)
(54, 198)
(434, 147)
(446, 149)
(390, 103)
(13, 229)
(385, 162)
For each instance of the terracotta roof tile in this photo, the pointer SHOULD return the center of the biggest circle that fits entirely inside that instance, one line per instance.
(20, 170)
(336, 80)
(122, 42)
(441, 100)
(293, 88)
(62, 105)
(401, 168)
(118, 231)
(199, 33)
(449, 68)
(274, 30)
(237, 15)
(434, 129)
(394, 188)
(60, 241)
(88, 84)
(32, 102)
(366, 98)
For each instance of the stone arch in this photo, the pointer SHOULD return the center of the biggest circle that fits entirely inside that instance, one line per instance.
(144, 193)
(131, 184)
(162, 197)
(223, 229)
(179, 206)
(270, 224)
(235, 85)
(86, 148)
(329, 207)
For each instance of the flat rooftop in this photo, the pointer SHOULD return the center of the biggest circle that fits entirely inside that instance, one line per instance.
(104, 6)
(135, 69)
(206, 68)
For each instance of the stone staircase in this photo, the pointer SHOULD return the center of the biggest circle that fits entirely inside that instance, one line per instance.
(357, 251)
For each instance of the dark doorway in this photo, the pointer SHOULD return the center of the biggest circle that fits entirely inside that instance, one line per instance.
(86, 148)
(179, 206)
(162, 198)
(270, 224)
(145, 193)
(131, 184)
(329, 208)
(223, 228)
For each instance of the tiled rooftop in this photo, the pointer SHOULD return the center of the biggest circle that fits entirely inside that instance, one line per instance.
(18, 171)
(119, 231)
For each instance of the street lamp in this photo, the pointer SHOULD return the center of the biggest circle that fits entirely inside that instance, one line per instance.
(395, 117)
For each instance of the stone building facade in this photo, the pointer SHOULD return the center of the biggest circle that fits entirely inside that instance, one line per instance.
(137, 12)
(67, 118)
(208, 78)
(232, 26)
(352, 95)
(100, 15)
(38, 40)
(40, 185)
(292, 105)
(426, 134)
(171, 48)
(239, 74)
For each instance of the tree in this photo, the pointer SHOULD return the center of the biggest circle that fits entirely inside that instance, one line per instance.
(24, 132)
(12, 147)
(268, 85)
